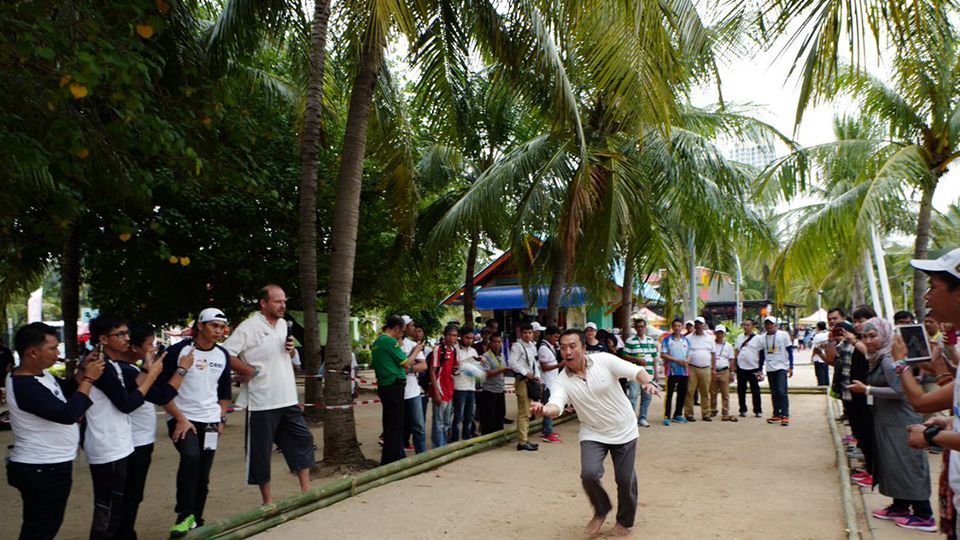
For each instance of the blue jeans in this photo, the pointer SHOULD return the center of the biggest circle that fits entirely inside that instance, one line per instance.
(546, 429)
(633, 391)
(778, 392)
(464, 407)
(442, 418)
(414, 417)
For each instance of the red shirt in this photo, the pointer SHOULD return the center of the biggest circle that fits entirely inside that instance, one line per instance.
(444, 359)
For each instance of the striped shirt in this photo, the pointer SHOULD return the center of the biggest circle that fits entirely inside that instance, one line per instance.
(643, 348)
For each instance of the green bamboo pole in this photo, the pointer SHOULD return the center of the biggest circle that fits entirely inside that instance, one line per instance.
(264, 517)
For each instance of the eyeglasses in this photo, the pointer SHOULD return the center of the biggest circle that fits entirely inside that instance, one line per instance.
(119, 334)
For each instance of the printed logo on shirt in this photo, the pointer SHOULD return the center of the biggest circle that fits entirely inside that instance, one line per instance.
(200, 365)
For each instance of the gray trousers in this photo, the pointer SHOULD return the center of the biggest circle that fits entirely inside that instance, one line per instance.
(592, 454)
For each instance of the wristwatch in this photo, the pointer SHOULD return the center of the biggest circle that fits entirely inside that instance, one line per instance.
(930, 433)
(182, 371)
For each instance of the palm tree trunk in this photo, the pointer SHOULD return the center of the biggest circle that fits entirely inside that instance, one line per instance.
(859, 296)
(309, 155)
(340, 444)
(626, 297)
(70, 292)
(468, 299)
(558, 281)
(921, 245)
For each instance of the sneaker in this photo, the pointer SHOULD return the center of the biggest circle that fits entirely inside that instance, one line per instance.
(758, 415)
(551, 438)
(679, 420)
(409, 448)
(785, 421)
(774, 420)
(849, 440)
(743, 414)
(891, 513)
(917, 524)
(864, 481)
(182, 527)
(643, 423)
(858, 475)
(666, 421)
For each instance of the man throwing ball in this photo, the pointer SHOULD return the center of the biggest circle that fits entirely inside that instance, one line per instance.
(607, 424)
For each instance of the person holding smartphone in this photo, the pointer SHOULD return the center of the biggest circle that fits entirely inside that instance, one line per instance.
(44, 412)
(196, 416)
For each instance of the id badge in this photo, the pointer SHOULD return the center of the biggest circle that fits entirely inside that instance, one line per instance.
(870, 400)
(210, 437)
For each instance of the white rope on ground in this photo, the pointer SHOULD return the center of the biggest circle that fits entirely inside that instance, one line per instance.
(846, 494)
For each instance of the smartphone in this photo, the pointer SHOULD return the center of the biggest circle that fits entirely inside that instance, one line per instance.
(918, 344)
(837, 331)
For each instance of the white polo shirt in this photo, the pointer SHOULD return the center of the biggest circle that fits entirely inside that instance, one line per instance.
(462, 381)
(263, 346)
(701, 347)
(775, 356)
(749, 354)
(724, 354)
(603, 409)
(412, 386)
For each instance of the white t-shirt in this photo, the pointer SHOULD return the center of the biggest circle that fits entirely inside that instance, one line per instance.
(198, 398)
(462, 381)
(818, 339)
(143, 421)
(412, 388)
(724, 354)
(107, 435)
(603, 409)
(700, 349)
(263, 346)
(523, 358)
(749, 354)
(953, 470)
(36, 439)
(775, 350)
(546, 354)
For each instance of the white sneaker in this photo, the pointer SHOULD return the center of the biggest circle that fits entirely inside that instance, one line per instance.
(643, 423)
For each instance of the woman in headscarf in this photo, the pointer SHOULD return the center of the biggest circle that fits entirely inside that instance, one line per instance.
(901, 472)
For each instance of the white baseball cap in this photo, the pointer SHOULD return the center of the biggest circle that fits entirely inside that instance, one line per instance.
(406, 320)
(720, 328)
(211, 314)
(770, 319)
(949, 263)
(688, 322)
(590, 325)
(700, 320)
(537, 328)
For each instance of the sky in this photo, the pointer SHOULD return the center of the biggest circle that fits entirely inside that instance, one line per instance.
(764, 81)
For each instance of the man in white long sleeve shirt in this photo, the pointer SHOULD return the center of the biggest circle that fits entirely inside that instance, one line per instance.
(607, 424)
(523, 362)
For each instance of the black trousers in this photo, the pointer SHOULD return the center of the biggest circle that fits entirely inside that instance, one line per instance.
(109, 481)
(491, 408)
(860, 416)
(391, 399)
(822, 371)
(44, 490)
(138, 464)
(193, 473)
(744, 377)
(676, 384)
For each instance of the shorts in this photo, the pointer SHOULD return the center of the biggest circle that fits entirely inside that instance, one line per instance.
(285, 427)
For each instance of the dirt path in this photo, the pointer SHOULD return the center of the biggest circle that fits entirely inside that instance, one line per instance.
(716, 480)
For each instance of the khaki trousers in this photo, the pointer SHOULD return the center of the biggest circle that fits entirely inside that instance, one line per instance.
(523, 410)
(720, 384)
(699, 381)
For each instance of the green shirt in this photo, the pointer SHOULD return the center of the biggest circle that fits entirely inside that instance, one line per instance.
(644, 348)
(387, 357)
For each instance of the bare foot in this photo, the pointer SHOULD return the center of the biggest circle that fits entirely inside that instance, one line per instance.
(593, 528)
(619, 530)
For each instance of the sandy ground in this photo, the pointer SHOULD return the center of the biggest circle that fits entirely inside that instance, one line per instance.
(711, 471)
(716, 480)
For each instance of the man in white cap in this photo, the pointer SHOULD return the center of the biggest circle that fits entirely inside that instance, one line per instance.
(537, 331)
(593, 344)
(720, 384)
(197, 415)
(702, 364)
(778, 362)
(414, 423)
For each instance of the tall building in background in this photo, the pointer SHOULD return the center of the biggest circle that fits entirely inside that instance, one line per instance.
(756, 155)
